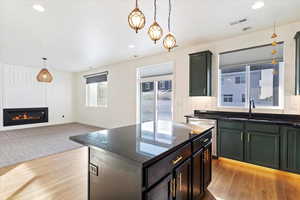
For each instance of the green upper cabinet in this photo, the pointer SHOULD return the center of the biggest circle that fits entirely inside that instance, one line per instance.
(297, 38)
(200, 73)
(290, 149)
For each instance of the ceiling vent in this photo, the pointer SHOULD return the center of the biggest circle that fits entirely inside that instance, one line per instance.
(238, 22)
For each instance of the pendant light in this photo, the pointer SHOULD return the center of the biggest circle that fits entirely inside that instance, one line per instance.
(136, 18)
(274, 44)
(155, 32)
(44, 75)
(169, 40)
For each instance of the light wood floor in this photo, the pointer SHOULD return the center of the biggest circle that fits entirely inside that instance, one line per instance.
(57, 177)
(239, 181)
(64, 177)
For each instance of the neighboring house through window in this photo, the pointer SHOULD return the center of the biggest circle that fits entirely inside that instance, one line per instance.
(250, 73)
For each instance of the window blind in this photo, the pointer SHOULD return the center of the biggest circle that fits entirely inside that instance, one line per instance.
(96, 78)
(251, 56)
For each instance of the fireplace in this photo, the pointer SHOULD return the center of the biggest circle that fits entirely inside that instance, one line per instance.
(20, 116)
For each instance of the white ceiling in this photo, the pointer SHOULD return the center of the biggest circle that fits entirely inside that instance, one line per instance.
(78, 34)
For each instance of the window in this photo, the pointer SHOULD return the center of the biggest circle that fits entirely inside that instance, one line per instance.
(249, 74)
(227, 98)
(96, 90)
(156, 93)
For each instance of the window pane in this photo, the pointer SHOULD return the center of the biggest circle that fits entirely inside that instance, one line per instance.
(164, 100)
(96, 94)
(102, 94)
(233, 86)
(91, 97)
(264, 84)
(147, 101)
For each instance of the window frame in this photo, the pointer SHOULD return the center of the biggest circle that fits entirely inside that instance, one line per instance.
(86, 94)
(247, 82)
(155, 79)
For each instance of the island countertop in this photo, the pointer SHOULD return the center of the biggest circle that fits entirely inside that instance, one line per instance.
(143, 143)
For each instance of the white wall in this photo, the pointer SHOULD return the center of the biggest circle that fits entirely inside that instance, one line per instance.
(122, 80)
(20, 89)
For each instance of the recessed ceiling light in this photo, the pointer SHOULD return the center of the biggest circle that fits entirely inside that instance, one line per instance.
(257, 5)
(131, 46)
(38, 8)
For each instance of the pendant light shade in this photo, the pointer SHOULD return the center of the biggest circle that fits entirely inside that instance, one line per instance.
(44, 75)
(136, 19)
(169, 41)
(155, 32)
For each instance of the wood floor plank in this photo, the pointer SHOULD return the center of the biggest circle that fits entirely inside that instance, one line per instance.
(64, 177)
(234, 180)
(61, 177)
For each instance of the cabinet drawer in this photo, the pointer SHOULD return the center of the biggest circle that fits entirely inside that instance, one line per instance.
(231, 124)
(164, 166)
(261, 127)
(201, 142)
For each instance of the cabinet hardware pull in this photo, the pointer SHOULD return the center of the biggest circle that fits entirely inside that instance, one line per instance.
(180, 178)
(178, 159)
(242, 136)
(248, 137)
(174, 188)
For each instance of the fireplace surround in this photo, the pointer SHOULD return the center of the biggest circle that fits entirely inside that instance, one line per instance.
(21, 116)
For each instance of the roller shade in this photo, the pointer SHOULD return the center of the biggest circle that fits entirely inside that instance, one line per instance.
(250, 56)
(96, 78)
(156, 70)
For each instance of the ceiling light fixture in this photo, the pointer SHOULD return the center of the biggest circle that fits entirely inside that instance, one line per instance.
(169, 40)
(155, 32)
(131, 46)
(258, 5)
(38, 8)
(136, 18)
(44, 75)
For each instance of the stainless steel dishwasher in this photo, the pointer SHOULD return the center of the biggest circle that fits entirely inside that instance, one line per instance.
(197, 121)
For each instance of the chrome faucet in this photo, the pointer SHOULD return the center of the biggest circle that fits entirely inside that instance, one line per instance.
(251, 105)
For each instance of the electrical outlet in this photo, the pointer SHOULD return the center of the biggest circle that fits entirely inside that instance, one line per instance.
(93, 169)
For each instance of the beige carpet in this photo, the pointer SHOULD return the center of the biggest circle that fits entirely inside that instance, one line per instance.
(27, 144)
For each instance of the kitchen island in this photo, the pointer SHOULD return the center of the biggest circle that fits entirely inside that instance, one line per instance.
(160, 160)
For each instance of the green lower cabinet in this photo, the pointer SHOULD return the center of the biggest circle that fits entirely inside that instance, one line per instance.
(231, 143)
(262, 149)
(290, 149)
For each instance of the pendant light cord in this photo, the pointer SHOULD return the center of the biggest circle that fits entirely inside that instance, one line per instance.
(169, 18)
(136, 3)
(155, 8)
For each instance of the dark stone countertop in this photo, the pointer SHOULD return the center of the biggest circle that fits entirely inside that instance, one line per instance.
(280, 119)
(142, 143)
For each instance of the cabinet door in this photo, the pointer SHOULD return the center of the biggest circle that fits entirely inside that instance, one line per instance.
(161, 191)
(200, 74)
(182, 175)
(197, 176)
(231, 143)
(207, 168)
(262, 149)
(290, 149)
